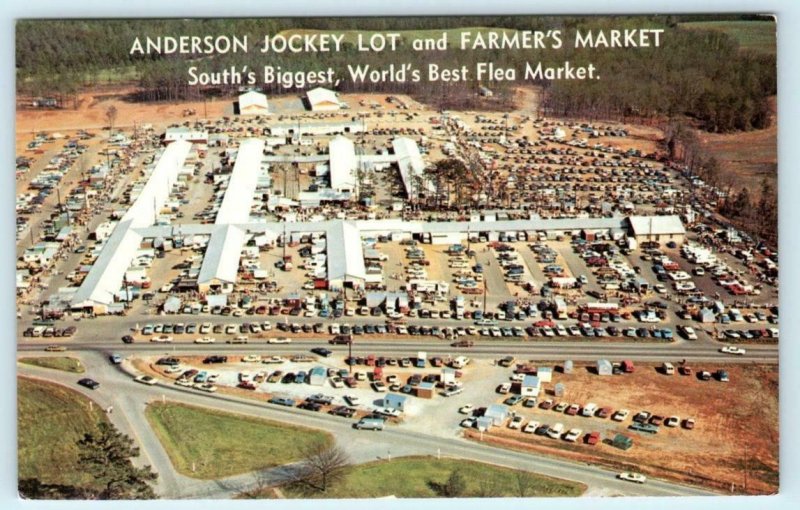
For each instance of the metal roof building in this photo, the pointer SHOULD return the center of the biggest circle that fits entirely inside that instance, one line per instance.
(155, 192)
(657, 228)
(253, 103)
(221, 259)
(342, 165)
(238, 200)
(322, 99)
(411, 165)
(345, 255)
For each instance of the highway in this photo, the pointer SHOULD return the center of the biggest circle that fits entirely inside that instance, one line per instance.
(130, 399)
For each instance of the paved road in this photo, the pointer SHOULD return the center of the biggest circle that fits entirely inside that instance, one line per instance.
(129, 400)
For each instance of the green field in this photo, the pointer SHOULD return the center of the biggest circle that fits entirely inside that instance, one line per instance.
(758, 36)
(51, 419)
(221, 444)
(411, 477)
(64, 363)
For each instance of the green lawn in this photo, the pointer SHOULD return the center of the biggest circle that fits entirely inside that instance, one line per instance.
(221, 444)
(51, 419)
(64, 363)
(409, 477)
(758, 36)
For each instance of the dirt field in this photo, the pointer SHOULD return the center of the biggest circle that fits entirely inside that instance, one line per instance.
(735, 440)
(746, 157)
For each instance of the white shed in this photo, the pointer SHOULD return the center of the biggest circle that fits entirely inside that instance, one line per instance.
(321, 99)
(253, 103)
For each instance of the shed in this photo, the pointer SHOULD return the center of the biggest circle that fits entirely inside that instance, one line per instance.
(395, 401)
(559, 390)
(604, 367)
(448, 376)
(545, 374)
(317, 376)
(253, 103)
(622, 442)
(172, 304)
(530, 386)
(483, 423)
(322, 99)
(425, 390)
(497, 413)
(568, 366)
(706, 316)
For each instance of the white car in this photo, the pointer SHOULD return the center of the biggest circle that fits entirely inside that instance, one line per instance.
(531, 427)
(672, 421)
(272, 359)
(504, 388)
(205, 340)
(162, 339)
(173, 369)
(251, 358)
(730, 349)
(620, 415)
(466, 409)
(279, 340)
(573, 435)
(515, 423)
(209, 388)
(660, 288)
(689, 333)
(184, 382)
(517, 377)
(632, 477)
(205, 328)
(468, 423)
(146, 379)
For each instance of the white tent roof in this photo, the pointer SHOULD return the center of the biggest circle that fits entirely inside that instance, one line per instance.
(343, 163)
(410, 163)
(105, 278)
(238, 200)
(656, 225)
(156, 191)
(221, 260)
(345, 252)
(321, 95)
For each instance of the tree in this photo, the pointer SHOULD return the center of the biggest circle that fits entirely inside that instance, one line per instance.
(107, 455)
(111, 116)
(322, 465)
(524, 483)
(454, 487)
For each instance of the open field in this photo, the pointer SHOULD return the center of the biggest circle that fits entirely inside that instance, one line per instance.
(66, 363)
(219, 444)
(413, 477)
(736, 430)
(758, 36)
(51, 419)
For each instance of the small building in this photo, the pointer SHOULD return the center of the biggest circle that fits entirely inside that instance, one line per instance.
(483, 423)
(559, 390)
(425, 390)
(604, 367)
(497, 413)
(545, 374)
(530, 386)
(253, 103)
(568, 366)
(395, 401)
(321, 100)
(317, 376)
(657, 229)
(707, 316)
(172, 304)
(448, 376)
(175, 134)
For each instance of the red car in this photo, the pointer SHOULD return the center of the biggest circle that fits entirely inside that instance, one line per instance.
(572, 410)
(592, 438)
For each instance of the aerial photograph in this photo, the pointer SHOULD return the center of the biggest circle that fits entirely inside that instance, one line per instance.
(411, 257)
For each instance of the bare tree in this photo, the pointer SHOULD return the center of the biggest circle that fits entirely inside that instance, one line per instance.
(524, 483)
(111, 116)
(257, 489)
(322, 465)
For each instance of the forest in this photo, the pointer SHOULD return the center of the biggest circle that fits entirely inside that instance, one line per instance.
(699, 74)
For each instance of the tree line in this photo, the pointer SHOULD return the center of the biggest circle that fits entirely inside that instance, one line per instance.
(697, 73)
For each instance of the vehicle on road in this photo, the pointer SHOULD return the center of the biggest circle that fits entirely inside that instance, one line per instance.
(632, 477)
(146, 379)
(127, 339)
(322, 351)
(205, 340)
(115, 359)
(162, 339)
(369, 424)
(55, 348)
(279, 340)
(732, 349)
(89, 383)
(282, 401)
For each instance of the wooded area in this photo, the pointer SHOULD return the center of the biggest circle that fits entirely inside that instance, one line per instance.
(701, 74)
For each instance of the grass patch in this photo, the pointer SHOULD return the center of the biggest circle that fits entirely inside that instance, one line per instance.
(757, 36)
(51, 419)
(221, 444)
(64, 363)
(411, 477)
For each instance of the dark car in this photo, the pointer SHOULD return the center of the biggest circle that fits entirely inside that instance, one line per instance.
(288, 378)
(170, 361)
(89, 383)
(322, 351)
(344, 411)
(215, 359)
(310, 406)
(127, 339)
